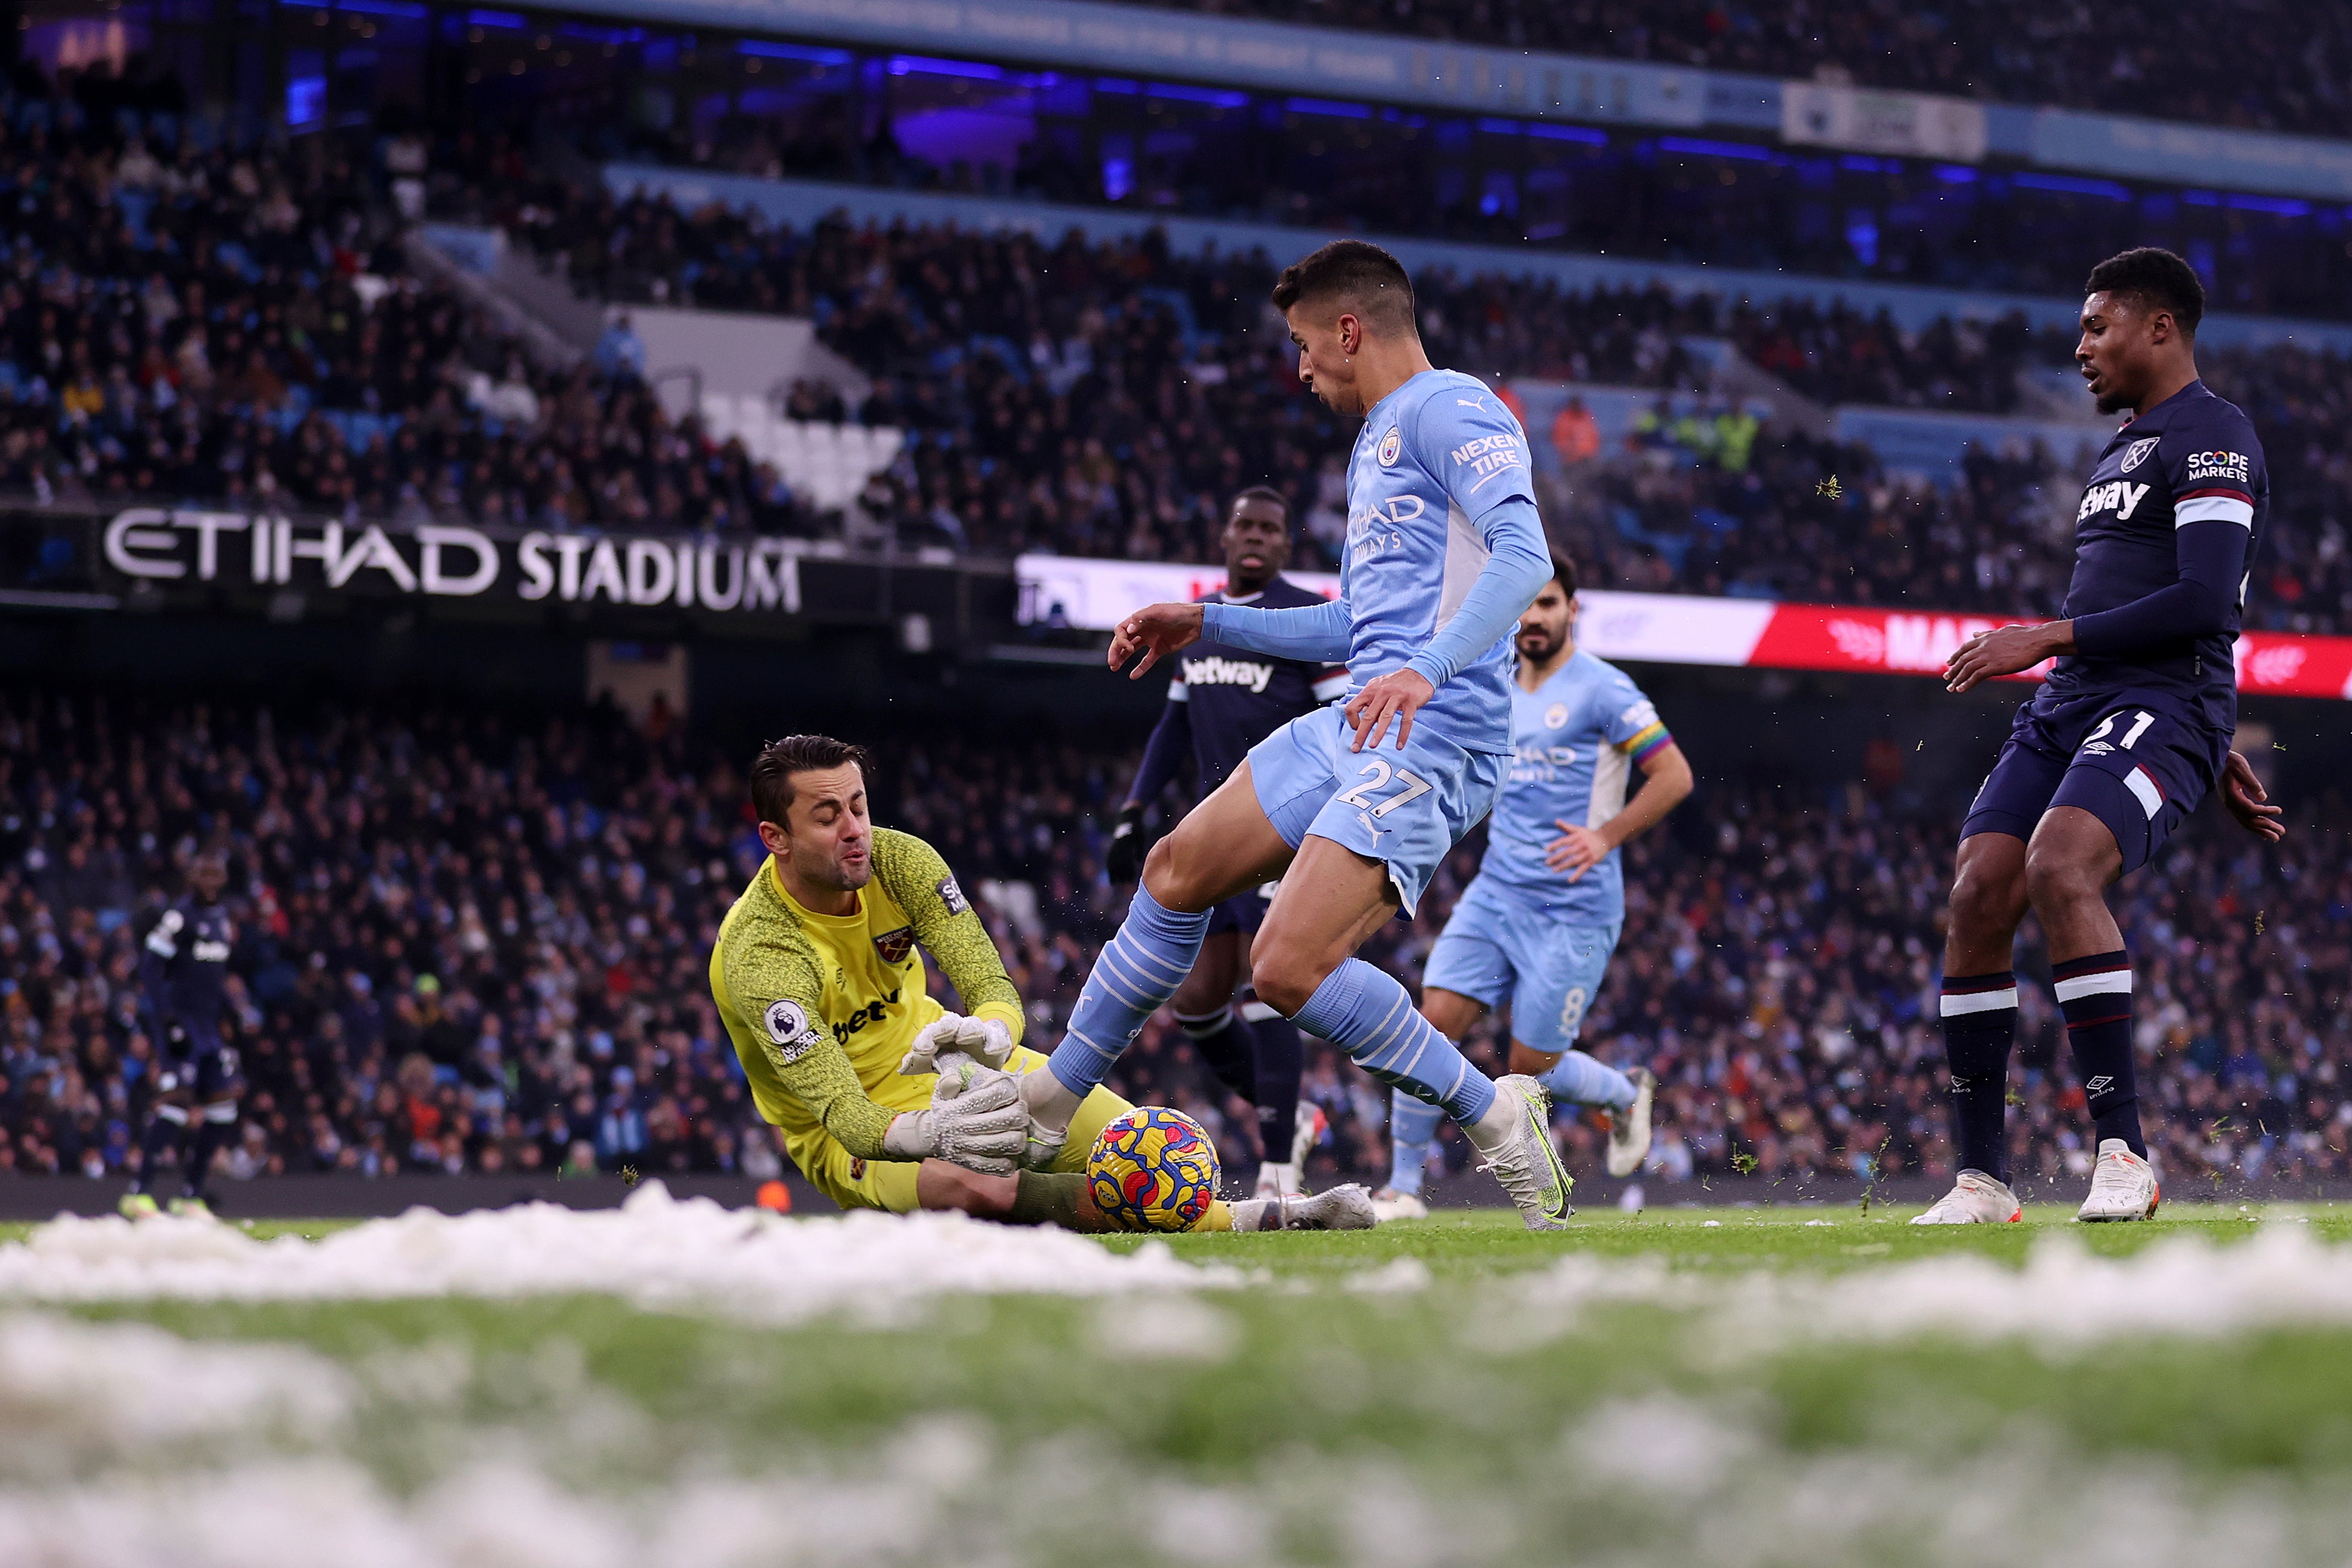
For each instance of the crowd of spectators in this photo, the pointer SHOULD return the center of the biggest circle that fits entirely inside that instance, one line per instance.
(226, 326)
(2291, 66)
(241, 326)
(472, 940)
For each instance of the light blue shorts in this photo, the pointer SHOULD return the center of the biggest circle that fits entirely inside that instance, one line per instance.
(1406, 808)
(1495, 948)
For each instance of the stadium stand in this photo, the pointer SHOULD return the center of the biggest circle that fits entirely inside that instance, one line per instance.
(227, 327)
(2293, 78)
(474, 941)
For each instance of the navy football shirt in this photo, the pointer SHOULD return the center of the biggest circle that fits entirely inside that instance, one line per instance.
(1236, 698)
(2192, 458)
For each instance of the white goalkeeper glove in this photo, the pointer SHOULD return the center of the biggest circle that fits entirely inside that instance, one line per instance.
(977, 1120)
(985, 1041)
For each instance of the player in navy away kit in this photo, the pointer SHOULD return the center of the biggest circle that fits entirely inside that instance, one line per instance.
(2120, 744)
(1222, 701)
(183, 972)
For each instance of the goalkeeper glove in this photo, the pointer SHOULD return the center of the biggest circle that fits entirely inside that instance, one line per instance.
(976, 1120)
(986, 1040)
(1124, 859)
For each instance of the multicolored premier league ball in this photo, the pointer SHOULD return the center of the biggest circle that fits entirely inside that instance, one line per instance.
(1153, 1169)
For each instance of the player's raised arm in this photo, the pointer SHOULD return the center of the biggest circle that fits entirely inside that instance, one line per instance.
(1478, 452)
(918, 876)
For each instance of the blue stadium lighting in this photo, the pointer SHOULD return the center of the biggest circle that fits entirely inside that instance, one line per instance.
(2072, 186)
(1117, 84)
(603, 34)
(1955, 174)
(1859, 165)
(766, 50)
(2201, 198)
(923, 65)
(496, 19)
(2281, 205)
(1695, 148)
(1208, 95)
(376, 8)
(1327, 106)
(1584, 134)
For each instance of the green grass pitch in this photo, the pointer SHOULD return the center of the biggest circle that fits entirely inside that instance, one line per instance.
(1683, 1386)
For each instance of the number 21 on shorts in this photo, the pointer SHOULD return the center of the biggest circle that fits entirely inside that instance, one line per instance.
(1377, 775)
(2140, 721)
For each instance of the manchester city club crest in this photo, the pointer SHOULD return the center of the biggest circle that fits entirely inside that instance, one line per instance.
(1392, 445)
(2136, 453)
(1555, 715)
(894, 945)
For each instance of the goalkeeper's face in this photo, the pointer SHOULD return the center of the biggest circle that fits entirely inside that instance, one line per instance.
(828, 838)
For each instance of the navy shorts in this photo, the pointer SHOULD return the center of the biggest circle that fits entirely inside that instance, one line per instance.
(207, 1068)
(2137, 762)
(1243, 913)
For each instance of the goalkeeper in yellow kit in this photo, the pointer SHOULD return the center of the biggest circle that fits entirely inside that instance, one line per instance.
(885, 1099)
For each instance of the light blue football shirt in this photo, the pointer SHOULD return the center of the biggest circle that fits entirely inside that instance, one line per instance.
(1435, 456)
(1575, 741)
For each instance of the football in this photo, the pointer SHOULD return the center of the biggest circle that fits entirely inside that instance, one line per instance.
(1153, 1169)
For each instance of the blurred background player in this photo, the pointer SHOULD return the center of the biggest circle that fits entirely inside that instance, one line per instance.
(1535, 926)
(1444, 548)
(2130, 731)
(183, 966)
(821, 989)
(1222, 701)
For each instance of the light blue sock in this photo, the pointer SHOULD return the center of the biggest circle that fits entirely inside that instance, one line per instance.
(1367, 1014)
(1581, 1080)
(1139, 970)
(1412, 1125)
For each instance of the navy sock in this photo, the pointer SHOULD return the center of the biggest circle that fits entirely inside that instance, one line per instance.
(1980, 1023)
(2096, 994)
(208, 1140)
(1281, 1067)
(1226, 1049)
(162, 1133)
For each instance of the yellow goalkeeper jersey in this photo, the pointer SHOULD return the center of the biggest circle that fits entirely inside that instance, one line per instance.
(821, 1008)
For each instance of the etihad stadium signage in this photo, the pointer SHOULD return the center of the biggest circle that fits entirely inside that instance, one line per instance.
(179, 545)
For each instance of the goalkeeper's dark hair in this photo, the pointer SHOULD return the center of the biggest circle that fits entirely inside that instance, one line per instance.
(1260, 493)
(1358, 277)
(1563, 571)
(773, 770)
(2155, 279)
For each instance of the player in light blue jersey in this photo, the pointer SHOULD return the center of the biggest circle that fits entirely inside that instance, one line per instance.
(1352, 805)
(1535, 928)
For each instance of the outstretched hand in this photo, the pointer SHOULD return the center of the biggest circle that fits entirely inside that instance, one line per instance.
(1155, 631)
(1396, 695)
(2005, 651)
(2249, 801)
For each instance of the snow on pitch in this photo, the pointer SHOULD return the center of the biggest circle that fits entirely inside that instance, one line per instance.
(654, 1250)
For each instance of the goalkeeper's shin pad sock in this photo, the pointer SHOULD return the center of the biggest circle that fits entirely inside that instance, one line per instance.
(1367, 1014)
(1281, 1067)
(2096, 994)
(210, 1139)
(1412, 1125)
(1139, 970)
(1980, 1023)
(1583, 1080)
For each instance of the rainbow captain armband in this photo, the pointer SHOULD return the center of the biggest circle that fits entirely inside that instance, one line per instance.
(1643, 744)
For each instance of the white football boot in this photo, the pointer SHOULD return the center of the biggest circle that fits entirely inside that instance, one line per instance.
(1629, 1130)
(1516, 1137)
(2123, 1186)
(1345, 1208)
(1975, 1199)
(1390, 1204)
